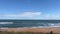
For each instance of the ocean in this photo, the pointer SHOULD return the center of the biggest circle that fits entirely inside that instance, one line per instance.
(29, 23)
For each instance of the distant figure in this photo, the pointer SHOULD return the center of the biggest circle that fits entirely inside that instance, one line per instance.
(51, 32)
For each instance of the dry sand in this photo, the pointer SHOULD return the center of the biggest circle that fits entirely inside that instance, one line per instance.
(55, 30)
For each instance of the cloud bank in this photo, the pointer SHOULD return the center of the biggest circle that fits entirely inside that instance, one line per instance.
(51, 16)
(30, 15)
(23, 15)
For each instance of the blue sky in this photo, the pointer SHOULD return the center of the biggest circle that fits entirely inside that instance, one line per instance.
(29, 9)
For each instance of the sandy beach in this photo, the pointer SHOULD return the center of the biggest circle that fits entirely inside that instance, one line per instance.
(45, 30)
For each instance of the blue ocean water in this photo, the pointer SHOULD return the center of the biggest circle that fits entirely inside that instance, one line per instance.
(29, 23)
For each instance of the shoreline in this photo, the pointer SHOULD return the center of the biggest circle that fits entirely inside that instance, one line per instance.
(30, 27)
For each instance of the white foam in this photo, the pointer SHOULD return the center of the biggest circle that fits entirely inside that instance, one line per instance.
(41, 27)
(6, 22)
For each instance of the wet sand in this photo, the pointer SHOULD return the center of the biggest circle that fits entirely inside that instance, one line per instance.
(45, 30)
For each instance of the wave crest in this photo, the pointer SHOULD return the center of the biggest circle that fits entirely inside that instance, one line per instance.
(6, 22)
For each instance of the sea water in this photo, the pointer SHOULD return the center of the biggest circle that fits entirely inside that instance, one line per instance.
(29, 23)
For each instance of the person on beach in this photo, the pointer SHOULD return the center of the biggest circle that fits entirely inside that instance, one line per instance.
(51, 32)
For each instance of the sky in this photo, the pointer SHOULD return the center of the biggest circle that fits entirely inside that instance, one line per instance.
(29, 9)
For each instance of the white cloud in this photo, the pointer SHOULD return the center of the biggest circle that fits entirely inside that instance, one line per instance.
(53, 16)
(30, 14)
(20, 16)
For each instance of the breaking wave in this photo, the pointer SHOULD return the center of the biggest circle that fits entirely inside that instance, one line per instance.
(45, 25)
(6, 22)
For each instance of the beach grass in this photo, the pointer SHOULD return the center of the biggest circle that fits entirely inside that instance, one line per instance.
(6, 32)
